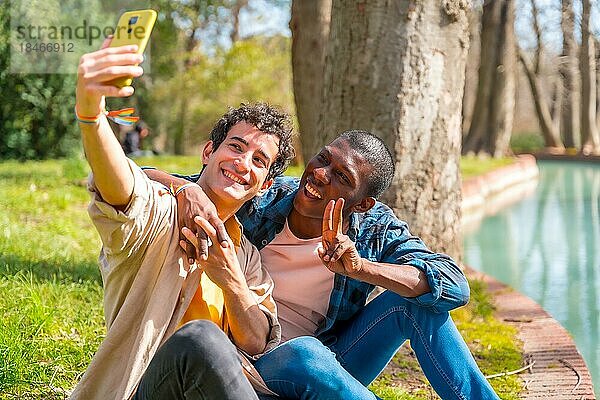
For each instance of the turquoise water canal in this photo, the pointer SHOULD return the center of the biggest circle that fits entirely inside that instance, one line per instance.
(548, 247)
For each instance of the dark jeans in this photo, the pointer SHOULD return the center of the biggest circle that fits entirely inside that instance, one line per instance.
(197, 362)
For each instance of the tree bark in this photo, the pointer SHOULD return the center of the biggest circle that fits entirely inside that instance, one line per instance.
(178, 131)
(310, 30)
(549, 129)
(473, 59)
(505, 85)
(477, 138)
(493, 114)
(556, 102)
(569, 122)
(397, 70)
(590, 139)
(537, 29)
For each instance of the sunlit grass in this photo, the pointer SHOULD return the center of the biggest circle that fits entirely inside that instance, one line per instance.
(51, 291)
(473, 165)
(493, 343)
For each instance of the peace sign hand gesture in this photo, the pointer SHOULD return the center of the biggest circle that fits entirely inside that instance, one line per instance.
(338, 253)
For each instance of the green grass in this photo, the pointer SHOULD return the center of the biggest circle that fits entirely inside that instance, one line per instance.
(471, 166)
(526, 142)
(51, 290)
(50, 287)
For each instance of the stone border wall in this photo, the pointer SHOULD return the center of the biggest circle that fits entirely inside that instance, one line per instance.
(488, 193)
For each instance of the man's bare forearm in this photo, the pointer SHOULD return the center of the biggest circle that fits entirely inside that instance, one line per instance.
(249, 325)
(406, 280)
(165, 178)
(112, 174)
(192, 202)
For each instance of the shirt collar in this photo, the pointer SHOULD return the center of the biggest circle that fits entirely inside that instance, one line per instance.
(355, 221)
(234, 230)
(279, 212)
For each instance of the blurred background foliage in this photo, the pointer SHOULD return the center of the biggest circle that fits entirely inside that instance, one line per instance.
(205, 55)
(201, 61)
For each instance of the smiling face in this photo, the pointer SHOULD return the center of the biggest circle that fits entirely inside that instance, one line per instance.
(237, 170)
(337, 171)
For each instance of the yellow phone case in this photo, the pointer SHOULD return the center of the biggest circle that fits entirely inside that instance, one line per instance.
(134, 27)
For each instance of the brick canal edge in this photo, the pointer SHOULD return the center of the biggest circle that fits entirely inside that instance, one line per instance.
(559, 371)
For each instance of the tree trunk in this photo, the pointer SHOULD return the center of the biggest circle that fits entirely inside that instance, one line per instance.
(569, 122)
(473, 58)
(597, 45)
(587, 64)
(236, 8)
(549, 130)
(493, 114)
(310, 29)
(505, 85)
(555, 110)
(178, 130)
(537, 29)
(477, 137)
(397, 70)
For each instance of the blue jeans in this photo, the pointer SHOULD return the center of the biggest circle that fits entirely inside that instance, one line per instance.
(353, 354)
(197, 362)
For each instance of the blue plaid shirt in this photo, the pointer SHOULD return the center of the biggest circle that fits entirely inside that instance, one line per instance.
(378, 236)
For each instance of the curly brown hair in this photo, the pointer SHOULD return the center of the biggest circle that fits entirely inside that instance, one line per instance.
(266, 118)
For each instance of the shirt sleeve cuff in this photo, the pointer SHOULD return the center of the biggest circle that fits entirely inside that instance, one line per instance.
(434, 280)
(133, 206)
(274, 334)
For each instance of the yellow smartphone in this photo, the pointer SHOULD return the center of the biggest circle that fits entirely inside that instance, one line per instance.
(134, 27)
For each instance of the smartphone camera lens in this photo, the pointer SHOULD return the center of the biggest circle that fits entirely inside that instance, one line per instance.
(133, 20)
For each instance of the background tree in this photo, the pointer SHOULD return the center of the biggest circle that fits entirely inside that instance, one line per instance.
(202, 62)
(590, 138)
(548, 124)
(473, 58)
(36, 113)
(493, 114)
(569, 122)
(310, 29)
(397, 70)
(547, 110)
(183, 91)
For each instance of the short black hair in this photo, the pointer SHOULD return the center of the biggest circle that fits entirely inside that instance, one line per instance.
(266, 118)
(374, 150)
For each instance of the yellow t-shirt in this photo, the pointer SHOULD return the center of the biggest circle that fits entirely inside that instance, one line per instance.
(208, 302)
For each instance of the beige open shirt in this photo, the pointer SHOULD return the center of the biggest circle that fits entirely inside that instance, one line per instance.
(148, 286)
